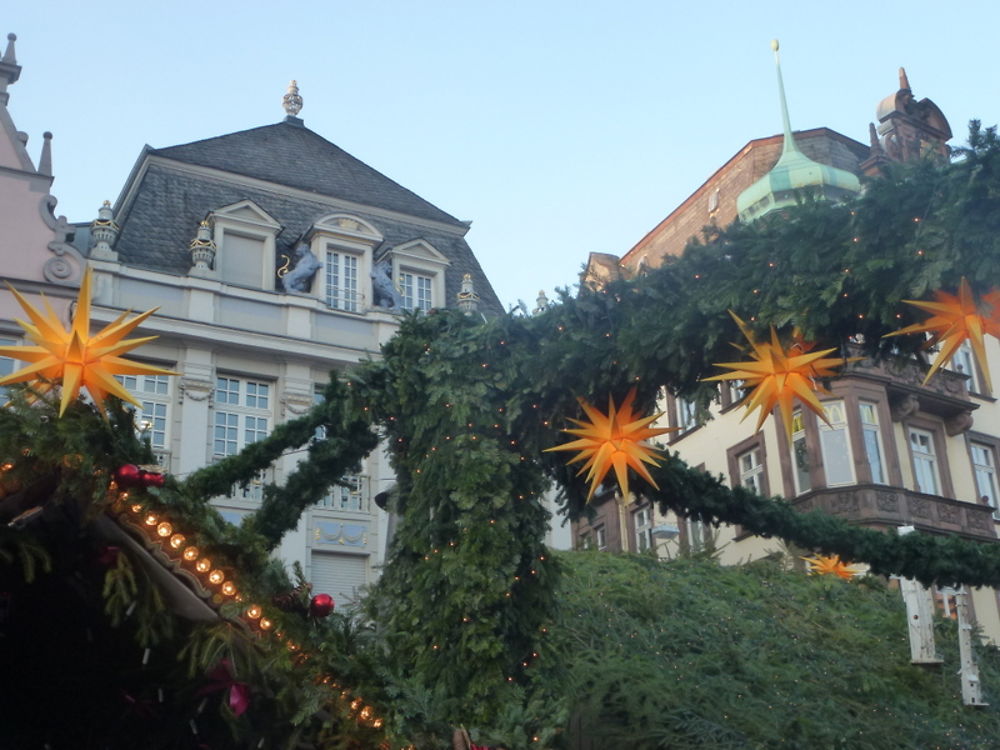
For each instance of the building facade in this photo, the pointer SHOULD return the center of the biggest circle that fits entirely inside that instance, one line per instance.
(275, 258)
(896, 452)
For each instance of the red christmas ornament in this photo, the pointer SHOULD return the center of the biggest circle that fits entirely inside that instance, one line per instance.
(152, 479)
(127, 475)
(130, 475)
(321, 605)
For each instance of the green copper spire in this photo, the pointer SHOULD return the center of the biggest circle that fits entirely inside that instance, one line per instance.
(794, 172)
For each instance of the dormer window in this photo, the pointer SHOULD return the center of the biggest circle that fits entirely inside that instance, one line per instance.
(418, 269)
(244, 236)
(344, 244)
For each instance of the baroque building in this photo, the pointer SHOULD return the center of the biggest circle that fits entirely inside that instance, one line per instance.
(274, 258)
(896, 452)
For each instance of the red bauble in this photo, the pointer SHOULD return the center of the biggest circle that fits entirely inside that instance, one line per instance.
(321, 605)
(128, 475)
(152, 479)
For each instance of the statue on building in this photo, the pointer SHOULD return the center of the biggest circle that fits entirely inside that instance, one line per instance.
(384, 292)
(303, 268)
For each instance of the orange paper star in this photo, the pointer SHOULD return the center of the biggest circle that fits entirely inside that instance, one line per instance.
(831, 565)
(74, 357)
(955, 320)
(613, 441)
(776, 377)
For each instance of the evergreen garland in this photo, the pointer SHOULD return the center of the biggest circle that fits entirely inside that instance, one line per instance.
(466, 410)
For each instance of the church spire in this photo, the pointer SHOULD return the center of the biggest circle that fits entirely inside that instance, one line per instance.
(789, 144)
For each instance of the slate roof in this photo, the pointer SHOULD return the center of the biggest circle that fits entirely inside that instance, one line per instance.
(162, 216)
(288, 153)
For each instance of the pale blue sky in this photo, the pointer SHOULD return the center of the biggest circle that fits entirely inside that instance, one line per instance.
(558, 128)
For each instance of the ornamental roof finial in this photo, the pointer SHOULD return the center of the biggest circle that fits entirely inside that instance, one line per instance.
(291, 101)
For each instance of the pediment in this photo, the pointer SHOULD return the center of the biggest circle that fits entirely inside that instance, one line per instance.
(422, 250)
(249, 212)
(345, 225)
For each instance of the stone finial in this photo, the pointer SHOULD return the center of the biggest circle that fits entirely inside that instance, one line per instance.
(8, 56)
(10, 71)
(904, 82)
(468, 300)
(202, 251)
(291, 101)
(103, 233)
(541, 304)
(45, 161)
(876, 144)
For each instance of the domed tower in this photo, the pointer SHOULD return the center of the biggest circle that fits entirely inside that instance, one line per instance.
(793, 173)
(911, 129)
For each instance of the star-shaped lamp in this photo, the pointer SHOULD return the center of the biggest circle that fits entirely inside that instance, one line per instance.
(74, 358)
(776, 376)
(956, 319)
(831, 565)
(613, 440)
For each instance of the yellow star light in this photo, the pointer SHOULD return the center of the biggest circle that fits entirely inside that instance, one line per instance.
(776, 377)
(831, 565)
(74, 357)
(955, 319)
(614, 441)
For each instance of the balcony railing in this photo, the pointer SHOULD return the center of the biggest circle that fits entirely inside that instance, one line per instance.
(882, 505)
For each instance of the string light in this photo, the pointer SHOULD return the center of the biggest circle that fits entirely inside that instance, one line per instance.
(164, 530)
(203, 565)
(254, 611)
(177, 541)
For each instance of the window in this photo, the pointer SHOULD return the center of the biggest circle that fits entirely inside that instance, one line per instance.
(341, 280)
(245, 237)
(601, 537)
(925, 464)
(985, 471)
(751, 468)
(152, 418)
(643, 520)
(586, 541)
(416, 291)
(800, 454)
(872, 440)
(687, 414)
(352, 492)
(964, 362)
(835, 446)
(242, 414)
(733, 392)
(7, 365)
(694, 536)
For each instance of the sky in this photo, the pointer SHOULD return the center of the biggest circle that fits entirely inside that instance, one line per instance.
(558, 128)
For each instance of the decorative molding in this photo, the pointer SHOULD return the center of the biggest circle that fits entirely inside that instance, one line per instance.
(195, 389)
(297, 403)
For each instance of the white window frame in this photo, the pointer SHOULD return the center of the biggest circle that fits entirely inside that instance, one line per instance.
(687, 413)
(964, 362)
(244, 408)
(246, 219)
(8, 365)
(924, 461)
(836, 428)
(347, 236)
(984, 472)
(799, 454)
(155, 393)
(750, 465)
(353, 492)
(416, 290)
(420, 258)
(601, 537)
(871, 438)
(341, 285)
(642, 519)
